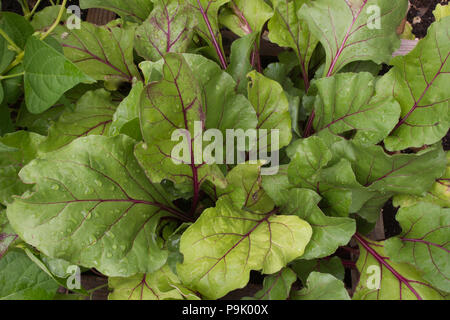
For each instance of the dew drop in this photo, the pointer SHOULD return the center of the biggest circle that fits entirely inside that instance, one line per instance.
(55, 187)
(98, 182)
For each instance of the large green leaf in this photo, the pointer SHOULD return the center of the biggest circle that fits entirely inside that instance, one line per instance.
(175, 103)
(92, 116)
(383, 279)
(419, 82)
(22, 279)
(287, 30)
(134, 10)
(424, 242)
(276, 286)
(245, 189)
(354, 101)
(328, 232)
(271, 106)
(322, 286)
(439, 193)
(226, 243)
(349, 32)
(109, 221)
(48, 75)
(159, 285)
(399, 173)
(6, 56)
(16, 150)
(244, 17)
(102, 52)
(169, 28)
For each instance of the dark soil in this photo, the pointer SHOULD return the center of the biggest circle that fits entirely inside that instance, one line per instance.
(420, 16)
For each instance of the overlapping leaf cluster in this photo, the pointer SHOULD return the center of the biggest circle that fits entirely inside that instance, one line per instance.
(88, 176)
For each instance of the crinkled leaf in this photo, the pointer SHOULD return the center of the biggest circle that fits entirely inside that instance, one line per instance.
(441, 11)
(424, 242)
(109, 221)
(92, 116)
(244, 17)
(271, 106)
(245, 189)
(349, 32)
(400, 173)
(322, 286)
(226, 243)
(48, 75)
(419, 82)
(383, 279)
(354, 101)
(22, 279)
(133, 10)
(102, 52)
(276, 286)
(16, 150)
(169, 28)
(159, 285)
(288, 30)
(333, 266)
(174, 103)
(328, 232)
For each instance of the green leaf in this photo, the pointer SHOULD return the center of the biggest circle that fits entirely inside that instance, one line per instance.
(328, 232)
(206, 14)
(244, 17)
(240, 64)
(6, 56)
(21, 279)
(398, 173)
(441, 12)
(271, 106)
(424, 242)
(419, 83)
(322, 286)
(176, 102)
(354, 30)
(288, 30)
(16, 150)
(92, 115)
(16, 27)
(245, 190)
(133, 10)
(383, 279)
(126, 117)
(159, 285)
(46, 17)
(6, 124)
(439, 193)
(48, 75)
(354, 101)
(169, 28)
(226, 243)
(109, 221)
(276, 286)
(333, 265)
(277, 186)
(102, 52)
(39, 123)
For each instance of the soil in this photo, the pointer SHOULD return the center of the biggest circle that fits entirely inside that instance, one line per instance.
(420, 15)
